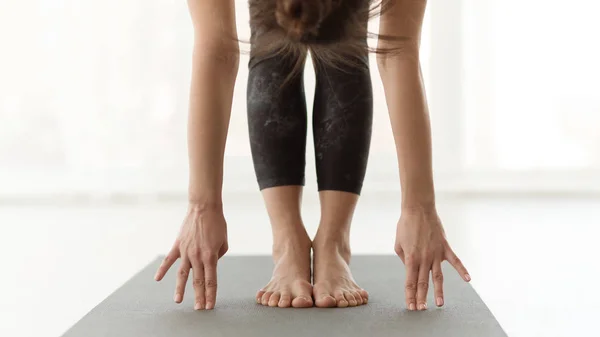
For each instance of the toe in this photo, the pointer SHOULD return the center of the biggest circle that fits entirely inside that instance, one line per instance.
(359, 300)
(325, 300)
(285, 301)
(302, 302)
(350, 298)
(259, 296)
(274, 299)
(364, 295)
(265, 298)
(340, 300)
(302, 294)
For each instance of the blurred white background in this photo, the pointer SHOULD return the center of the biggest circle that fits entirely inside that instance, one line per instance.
(93, 159)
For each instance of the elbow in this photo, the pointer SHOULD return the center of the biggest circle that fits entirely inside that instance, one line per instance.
(394, 67)
(223, 54)
(405, 56)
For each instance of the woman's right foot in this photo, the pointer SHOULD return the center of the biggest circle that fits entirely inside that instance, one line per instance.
(290, 285)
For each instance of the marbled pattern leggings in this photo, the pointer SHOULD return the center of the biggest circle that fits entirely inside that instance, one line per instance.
(277, 122)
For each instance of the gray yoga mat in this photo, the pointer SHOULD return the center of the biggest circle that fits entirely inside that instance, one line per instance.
(144, 308)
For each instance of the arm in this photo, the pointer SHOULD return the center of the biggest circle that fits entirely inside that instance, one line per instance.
(202, 239)
(420, 239)
(214, 70)
(407, 104)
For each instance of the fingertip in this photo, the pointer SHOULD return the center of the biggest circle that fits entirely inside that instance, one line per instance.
(210, 300)
(467, 277)
(439, 301)
(178, 298)
(210, 305)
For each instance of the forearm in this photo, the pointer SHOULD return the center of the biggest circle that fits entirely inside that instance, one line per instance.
(409, 116)
(214, 70)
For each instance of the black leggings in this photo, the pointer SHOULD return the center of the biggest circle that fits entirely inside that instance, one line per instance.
(277, 122)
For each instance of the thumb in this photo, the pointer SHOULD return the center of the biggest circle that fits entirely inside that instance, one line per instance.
(399, 251)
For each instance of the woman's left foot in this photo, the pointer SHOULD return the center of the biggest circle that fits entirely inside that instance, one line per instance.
(334, 285)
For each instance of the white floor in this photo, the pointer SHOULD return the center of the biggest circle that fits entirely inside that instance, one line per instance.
(533, 259)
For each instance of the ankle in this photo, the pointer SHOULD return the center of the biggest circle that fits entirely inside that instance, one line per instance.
(290, 241)
(333, 243)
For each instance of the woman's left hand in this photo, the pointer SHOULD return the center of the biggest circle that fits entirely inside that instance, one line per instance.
(421, 244)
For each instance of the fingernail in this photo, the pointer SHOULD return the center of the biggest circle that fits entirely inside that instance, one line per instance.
(468, 277)
(177, 298)
(304, 298)
(210, 305)
(423, 306)
(439, 301)
(197, 306)
(411, 306)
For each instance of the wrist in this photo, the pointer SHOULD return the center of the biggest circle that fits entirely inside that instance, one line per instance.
(203, 207)
(201, 202)
(422, 202)
(421, 207)
(418, 194)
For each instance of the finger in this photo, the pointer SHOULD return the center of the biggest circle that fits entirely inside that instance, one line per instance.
(223, 250)
(423, 285)
(410, 288)
(198, 282)
(210, 278)
(457, 264)
(182, 276)
(438, 282)
(166, 264)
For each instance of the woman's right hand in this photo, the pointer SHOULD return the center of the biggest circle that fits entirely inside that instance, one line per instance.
(201, 242)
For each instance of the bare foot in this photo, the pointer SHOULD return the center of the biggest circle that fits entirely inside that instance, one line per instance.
(290, 284)
(334, 285)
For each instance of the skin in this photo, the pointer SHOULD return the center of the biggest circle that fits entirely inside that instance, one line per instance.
(334, 285)
(420, 238)
(203, 236)
(290, 284)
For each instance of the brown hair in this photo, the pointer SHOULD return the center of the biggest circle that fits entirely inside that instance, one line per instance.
(334, 31)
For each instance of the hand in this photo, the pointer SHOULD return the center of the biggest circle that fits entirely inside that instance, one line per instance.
(201, 242)
(421, 244)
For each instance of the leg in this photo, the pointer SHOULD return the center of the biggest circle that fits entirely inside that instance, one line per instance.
(342, 122)
(277, 127)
